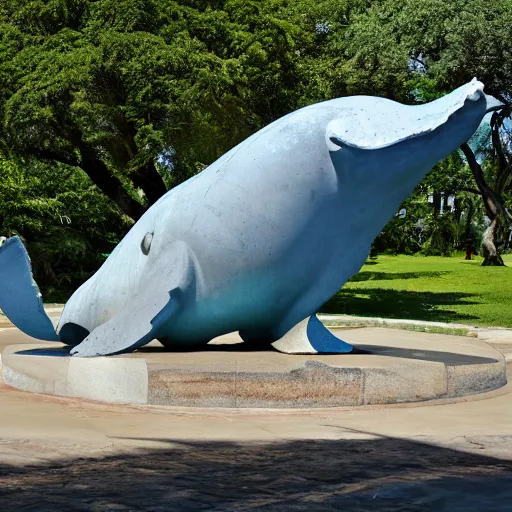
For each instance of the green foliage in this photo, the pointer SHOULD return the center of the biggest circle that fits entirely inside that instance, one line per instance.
(124, 82)
(66, 223)
(106, 104)
(442, 235)
(406, 235)
(423, 229)
(450, 176)
(404, 45)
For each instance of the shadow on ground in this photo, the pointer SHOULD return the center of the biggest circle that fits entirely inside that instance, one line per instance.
(388, 303)
(389, 276)
(383, 474)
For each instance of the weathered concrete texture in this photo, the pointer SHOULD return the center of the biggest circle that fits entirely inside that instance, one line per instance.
(410, 382)
(504, 346)
(467, 379)
(111, 380)
(392, 367)
(201, 389)
(315, 384)
(53, 372)
(46, 373)
(495, 334)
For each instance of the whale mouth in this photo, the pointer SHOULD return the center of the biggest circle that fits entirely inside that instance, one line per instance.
(493, 104)
(72, 334)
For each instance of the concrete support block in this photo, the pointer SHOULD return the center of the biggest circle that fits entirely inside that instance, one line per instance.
(118, 380)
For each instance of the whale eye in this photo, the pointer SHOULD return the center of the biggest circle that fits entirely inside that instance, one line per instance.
(145, 245)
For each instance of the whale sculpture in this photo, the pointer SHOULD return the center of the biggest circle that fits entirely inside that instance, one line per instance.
(259, 240)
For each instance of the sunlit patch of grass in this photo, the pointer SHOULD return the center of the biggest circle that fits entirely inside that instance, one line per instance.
(429, 288)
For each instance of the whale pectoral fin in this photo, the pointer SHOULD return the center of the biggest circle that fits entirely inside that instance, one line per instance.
(134, 326)
(158, 298)
(311, 337)
(20, 299)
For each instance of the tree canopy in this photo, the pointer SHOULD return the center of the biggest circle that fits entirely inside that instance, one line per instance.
(107, 104)
(140, 94)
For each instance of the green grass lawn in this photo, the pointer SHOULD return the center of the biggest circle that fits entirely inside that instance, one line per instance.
(429, 288)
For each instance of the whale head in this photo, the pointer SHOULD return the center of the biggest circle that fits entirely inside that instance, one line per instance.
(370, 123)
(108, 291)
(382, 149)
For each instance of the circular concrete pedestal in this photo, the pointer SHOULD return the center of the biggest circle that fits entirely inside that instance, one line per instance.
(392, 366)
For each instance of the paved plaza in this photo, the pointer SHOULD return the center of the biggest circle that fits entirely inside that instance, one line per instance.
(70, 454)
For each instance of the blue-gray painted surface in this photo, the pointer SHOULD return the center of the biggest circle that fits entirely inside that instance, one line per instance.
(323, 341)
(265, 235)
(20, 299)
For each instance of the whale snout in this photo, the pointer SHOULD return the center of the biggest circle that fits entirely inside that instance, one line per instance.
(475, 90)
(476, 93)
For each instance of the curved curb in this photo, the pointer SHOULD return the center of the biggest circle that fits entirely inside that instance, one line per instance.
(237, 379)
(483, 333)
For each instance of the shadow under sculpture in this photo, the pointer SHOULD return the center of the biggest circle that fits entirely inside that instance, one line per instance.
(259, 240)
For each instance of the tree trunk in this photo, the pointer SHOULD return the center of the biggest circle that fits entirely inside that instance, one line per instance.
(148, 179)
(107, 183)
(494, 207)
(436, 197)
(469, 219)
(489, 246)
(456, 210)
(99, 175)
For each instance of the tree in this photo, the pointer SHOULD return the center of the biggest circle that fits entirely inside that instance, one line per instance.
(140, 94)
(321, 48)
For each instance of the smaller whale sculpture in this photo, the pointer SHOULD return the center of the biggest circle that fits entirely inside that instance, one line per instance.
(259, 240)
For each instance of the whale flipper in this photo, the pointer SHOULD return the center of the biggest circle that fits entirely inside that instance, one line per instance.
(311, 337)
(148, 310)
(20, 298)
(136, 325)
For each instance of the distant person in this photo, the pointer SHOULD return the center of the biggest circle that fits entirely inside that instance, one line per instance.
(469, 247)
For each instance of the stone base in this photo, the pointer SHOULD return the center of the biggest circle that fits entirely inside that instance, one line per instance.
(391, 366)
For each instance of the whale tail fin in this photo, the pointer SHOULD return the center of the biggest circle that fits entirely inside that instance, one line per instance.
(20, 298)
